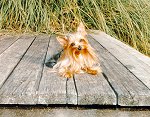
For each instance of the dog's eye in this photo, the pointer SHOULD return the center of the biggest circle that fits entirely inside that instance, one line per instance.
(81, 40)
(72, 44)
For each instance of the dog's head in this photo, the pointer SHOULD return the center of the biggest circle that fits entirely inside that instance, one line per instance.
(77, 52)
(76, 42)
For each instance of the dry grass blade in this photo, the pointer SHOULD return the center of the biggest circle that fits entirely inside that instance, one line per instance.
(127, 20)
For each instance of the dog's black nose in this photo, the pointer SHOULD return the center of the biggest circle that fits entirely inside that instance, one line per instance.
(79, 48)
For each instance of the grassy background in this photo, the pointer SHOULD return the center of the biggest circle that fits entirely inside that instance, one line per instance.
(127, 20)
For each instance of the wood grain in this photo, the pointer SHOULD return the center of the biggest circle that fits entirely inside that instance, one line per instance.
(94, 89)
(10, 57)
(72, 96)
(21, 86)
(119, 44)
(135, 62)
(130, 90)
(52, 89)
(24, 78)
(7, 42)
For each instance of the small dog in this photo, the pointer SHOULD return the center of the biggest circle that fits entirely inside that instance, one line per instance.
(78, 56)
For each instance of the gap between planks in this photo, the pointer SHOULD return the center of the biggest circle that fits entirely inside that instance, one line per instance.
(131, 91)
(134, 61)
(52, 88)
(6, 42)
(67, 90)
(24, 79)
(11, 57)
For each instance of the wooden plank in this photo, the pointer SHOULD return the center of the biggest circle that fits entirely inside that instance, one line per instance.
(10, 58)
(72, 96)
(130, 91)
(72, 112)
(22, 84)
(94, 89)
(119, 44)
(53, 88)
(6, 42)
(137, 63)
(3, 36)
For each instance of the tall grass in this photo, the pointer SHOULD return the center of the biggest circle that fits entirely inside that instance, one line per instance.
(127, 20)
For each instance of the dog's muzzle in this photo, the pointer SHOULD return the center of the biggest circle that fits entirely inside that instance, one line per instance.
(79, 48)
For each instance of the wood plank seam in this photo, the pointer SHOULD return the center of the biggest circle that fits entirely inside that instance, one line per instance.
(141, 57)
(17, 64)
(131, 50)
(105, 76)
(121, 63)
(134, 55)
(67, 96)
(37, 89)
(130, 90)
(134, 75)
(52, 88)
(10, 45)
(75, 88)
(127, 56)
(24, 79)
(117, 97)
(93, 90)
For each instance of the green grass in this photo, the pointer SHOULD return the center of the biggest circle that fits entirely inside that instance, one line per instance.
(127, 20)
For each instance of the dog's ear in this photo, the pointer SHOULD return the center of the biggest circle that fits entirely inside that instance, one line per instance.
(63, 40)
(81, 29)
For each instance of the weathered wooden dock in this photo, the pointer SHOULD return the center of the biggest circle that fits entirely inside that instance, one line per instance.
(24, 78)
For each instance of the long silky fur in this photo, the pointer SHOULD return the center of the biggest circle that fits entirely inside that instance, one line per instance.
(74, 62)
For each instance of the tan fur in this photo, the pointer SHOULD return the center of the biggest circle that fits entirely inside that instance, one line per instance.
(78, 55)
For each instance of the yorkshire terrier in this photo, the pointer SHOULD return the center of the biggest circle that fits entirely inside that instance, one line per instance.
(77, 56)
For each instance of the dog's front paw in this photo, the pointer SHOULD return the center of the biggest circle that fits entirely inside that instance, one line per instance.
(67, 75)
(92, 71)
